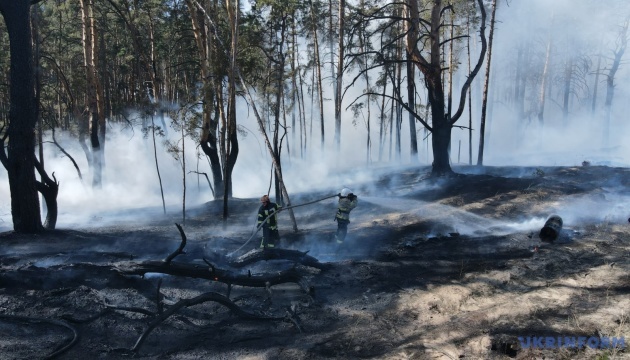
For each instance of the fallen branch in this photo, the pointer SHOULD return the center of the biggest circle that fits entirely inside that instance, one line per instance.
(134, 309)
(75, 334)
(209, 296)
(108, 309)
(207, 272)
(89, 319)
(182, 245)
(207, 179)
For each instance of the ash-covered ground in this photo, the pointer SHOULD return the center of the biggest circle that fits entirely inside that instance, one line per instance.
(444, 268)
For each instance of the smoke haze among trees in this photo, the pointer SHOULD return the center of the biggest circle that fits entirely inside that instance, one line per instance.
(547, 104)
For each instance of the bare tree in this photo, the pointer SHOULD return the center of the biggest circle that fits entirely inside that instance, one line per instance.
(231, 140)
(596, 83)
(411, 97)
(318, 70)
(212, 104)
(95, 101)
(425, 48)
(339, 75)
(610, 77)
(543, 83)
(482, 126)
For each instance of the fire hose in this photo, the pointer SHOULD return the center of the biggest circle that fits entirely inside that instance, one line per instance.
(272, 213)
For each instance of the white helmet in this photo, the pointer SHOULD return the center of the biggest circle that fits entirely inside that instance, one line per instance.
(345, 192)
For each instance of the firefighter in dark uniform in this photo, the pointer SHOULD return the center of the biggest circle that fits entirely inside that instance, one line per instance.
(268, 210)
(347, 202)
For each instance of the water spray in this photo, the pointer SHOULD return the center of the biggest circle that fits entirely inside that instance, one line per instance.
(272, 213)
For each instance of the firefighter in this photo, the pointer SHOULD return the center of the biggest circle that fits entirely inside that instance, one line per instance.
(268, 210)
(347, 202)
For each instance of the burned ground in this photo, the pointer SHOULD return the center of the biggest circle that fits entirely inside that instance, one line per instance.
(441, 268)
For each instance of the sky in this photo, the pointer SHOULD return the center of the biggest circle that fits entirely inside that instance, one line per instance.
(582, 28)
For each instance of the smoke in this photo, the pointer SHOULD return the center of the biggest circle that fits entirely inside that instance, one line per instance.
(579, 30)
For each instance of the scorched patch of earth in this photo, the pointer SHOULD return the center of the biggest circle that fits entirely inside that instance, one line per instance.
(441, 268)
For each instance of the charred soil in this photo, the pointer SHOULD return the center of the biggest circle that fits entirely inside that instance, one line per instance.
(443, 268)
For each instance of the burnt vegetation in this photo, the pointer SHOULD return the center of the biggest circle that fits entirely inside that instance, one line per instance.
(416, 264)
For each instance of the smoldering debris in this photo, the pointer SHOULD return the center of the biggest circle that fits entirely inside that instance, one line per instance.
(552, 228)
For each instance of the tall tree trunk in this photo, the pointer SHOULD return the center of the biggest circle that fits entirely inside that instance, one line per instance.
(302, 107)
(339, 78)
(392, 114)
(543, 84)
(232, 139)
(93, 91)
(399, 109)
(596, 83)
(451, 63)
(517, 75)
(318, 71)
(206, 48)
(411, 98)
(522, 82)
(484, 101)
(331, 46)
(382, 128)
(48, 187)
(278, 103)
(470, 125)
(19, 160)
(363, 40)
(568, 75)
(183, 164)
(157, 165)
(610, 77)
(295, 106)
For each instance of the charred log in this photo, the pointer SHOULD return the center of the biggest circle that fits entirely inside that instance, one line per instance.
(275, 254)
(209, 273)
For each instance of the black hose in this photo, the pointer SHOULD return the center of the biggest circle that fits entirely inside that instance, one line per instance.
(273, 212)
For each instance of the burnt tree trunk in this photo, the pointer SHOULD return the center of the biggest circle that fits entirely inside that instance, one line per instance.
(20, 159)
(484, 101)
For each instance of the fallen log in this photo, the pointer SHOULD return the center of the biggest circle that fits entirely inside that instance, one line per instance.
(276, 254)
(209, 273)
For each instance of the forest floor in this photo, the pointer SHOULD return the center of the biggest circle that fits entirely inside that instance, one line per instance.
(448, 268)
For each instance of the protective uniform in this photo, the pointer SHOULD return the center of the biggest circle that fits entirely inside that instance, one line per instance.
(347, 202)
(270, 234)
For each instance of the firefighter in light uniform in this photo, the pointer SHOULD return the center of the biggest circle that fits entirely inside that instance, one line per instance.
(347, 202)
(270, 234)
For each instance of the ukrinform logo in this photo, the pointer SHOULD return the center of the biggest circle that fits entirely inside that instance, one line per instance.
(557, 342)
